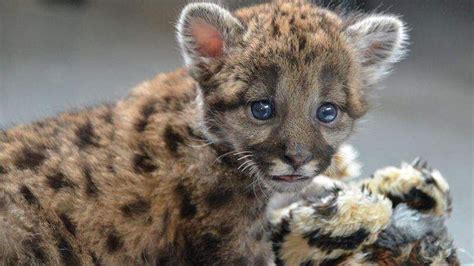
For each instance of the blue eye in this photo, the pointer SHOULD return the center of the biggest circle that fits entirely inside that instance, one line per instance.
(262, 110)
(327, 113)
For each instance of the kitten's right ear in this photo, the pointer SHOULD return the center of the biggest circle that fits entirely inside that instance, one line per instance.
(206, 32)
(380, 41)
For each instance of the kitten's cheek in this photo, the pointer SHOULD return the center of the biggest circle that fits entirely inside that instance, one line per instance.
(338, 133)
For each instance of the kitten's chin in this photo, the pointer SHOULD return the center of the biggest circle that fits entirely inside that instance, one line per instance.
(283, 186)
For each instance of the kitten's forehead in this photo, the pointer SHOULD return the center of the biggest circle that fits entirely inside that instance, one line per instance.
(301, 39)
(288, 18)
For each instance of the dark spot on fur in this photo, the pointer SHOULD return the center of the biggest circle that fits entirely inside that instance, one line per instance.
(292, 59)
(143, 163)
(167, 99)
(96, 261)
(34, 244)
(309, 57)
(415, 199)
(2, 170)
(277, 238)
(149, 220)
(275, 28)
(108, 115)
(114, 242)
(163, 260)
(188, 208)
(258, 235)
(209, 88)
(203, 250)
(145, 257)
(203, 75)
(146, 112)
(165, 220)
(172, 139)
(167, 257)
(29, 159)
(58, 181)
(311, 263)
(328, 78)
(394, 199)
(135, 208)
(67, 253)
(381, 254)
(109, 118)
(219, 197)
(28, 195)
(3, 202)
(141, 125)
(453, 259)
(302, 43)
(330, 262)
(325, 24)
(292, 20)
(86, 136)
(269, 76)
(419, 200)
(225, 229)
(91, 187)
(225, 105)
(111, 167)
(327, 242)
(68, 224)
(430, 181)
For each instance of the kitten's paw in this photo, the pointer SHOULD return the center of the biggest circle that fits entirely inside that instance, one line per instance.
(417, 185)
(413, 238)
(326, 221)
(344, 164)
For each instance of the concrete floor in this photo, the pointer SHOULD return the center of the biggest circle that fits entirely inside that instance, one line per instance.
(56, 56)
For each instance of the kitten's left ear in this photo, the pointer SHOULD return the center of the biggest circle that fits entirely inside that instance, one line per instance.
(380, 41)
(206, 32)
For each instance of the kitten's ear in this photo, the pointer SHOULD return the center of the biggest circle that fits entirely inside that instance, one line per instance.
(206, 32)
(380, 41)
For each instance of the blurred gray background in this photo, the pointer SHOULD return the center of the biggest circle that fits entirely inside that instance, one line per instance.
(56, 55)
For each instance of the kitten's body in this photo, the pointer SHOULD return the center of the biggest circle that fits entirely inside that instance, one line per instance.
(178, 173)
(132, 183)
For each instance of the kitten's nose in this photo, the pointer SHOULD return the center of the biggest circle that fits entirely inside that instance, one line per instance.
(297, 159)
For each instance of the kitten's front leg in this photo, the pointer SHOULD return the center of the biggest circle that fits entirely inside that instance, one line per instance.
(344, 164)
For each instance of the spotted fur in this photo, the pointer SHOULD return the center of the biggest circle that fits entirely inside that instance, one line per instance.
(178, 173)
(333, 223)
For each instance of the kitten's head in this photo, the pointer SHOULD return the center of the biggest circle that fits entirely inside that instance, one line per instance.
(283, 83)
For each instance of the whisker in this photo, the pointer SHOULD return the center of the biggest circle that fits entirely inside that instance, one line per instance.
(241, 152)
(250, 164)
(244, 165)
(245, 156)
(222, 156)
(200, 145)
(263, 190)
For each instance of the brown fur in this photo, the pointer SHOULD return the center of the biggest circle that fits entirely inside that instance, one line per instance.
(151, 180)
(126, 193)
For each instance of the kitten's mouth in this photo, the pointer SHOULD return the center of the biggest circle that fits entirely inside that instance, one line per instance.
(289, 178)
